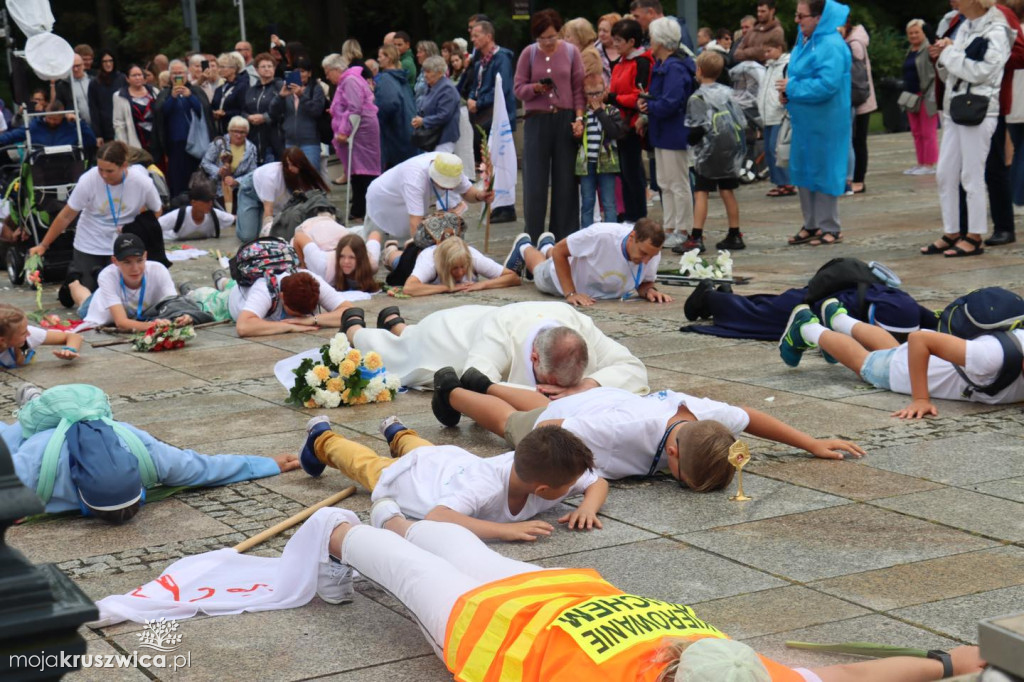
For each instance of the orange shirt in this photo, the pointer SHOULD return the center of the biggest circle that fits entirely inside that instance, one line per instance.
(567, 624)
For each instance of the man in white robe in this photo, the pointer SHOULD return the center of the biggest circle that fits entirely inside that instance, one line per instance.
(499, 341)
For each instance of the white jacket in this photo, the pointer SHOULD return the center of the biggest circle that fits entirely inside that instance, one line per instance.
(984, 77)
(498, 341)
(124, 126)
(768, 104)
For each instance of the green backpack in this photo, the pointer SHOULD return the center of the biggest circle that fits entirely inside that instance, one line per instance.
(60, 407)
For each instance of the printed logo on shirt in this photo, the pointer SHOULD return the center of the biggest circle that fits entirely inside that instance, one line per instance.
(605, 626)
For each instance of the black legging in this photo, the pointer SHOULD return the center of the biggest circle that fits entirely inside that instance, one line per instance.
(634, 183)
(860, 147)
(359, 184)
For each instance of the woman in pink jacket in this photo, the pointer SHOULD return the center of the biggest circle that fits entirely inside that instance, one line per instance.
(354, 96)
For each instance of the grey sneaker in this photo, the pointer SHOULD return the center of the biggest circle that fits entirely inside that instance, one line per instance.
(220, 279)
(26, 392)
(334, 582)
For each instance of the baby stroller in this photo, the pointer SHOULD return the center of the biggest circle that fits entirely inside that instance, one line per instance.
(46, 175)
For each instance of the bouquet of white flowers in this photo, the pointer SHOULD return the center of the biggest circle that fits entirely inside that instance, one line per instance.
(343, 376)
(692, 265)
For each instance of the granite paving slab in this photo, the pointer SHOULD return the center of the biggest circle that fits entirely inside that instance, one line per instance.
(850, 478)
(931, 580)
(831, 542)
(956, 461)
(1010, 489)
(984, 514)
(958, 617)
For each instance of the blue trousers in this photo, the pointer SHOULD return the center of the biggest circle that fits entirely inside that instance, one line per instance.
(590, 184)
(779, 175)
(250, 210)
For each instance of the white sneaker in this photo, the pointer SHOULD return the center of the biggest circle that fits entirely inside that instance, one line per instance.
(926, 170)
(334, 582)
(383, 510)
(313, 421)
(26, 392)
(912, 171)
(673, 238)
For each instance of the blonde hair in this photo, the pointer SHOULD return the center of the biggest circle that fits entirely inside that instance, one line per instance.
(580, 32)
(703, 448)
(391, 53)
(671, 650)
(919, 23)
(448, 254)
(9, 317)
(710, 64)
(351, 49)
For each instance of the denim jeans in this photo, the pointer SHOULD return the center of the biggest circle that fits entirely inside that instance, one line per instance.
(779, 175)
(250, 210)
(312, 152)
(590, 184)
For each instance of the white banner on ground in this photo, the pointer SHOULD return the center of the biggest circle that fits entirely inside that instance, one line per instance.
(503, 151)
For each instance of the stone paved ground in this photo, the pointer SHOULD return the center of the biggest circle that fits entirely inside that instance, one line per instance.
(912, 545)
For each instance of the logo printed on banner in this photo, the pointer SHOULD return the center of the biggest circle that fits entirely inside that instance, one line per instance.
(605, 626)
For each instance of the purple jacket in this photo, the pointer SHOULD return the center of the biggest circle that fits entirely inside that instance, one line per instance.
(354, 96)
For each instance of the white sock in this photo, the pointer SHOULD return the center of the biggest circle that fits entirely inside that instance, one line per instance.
(544, 249)
(811, 332)
(522, 250)
(843, 324)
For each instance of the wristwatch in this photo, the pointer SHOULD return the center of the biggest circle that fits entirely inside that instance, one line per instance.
(945, 658)
(570, 294)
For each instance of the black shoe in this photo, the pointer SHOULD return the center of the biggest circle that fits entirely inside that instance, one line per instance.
(475, 380)
(64, 296)
(1000, 239)
(696, 307)
(503, 214)
(689, 245)
(732, 242)
(445, 381)
(353, 317)
(724, 288)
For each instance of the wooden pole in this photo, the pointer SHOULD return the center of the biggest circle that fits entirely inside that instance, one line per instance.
(487, 228)
(276, 529)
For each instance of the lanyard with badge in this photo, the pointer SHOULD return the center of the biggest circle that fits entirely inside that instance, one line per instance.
(27, 353)
(661, 446)
(142, 296)
(637, 276)
(116, 217)
(441, 205)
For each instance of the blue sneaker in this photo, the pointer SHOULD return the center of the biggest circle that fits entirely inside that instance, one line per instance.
(307, 458)
(544, 239)
(792, 344)
(830, 307)
(514, 261)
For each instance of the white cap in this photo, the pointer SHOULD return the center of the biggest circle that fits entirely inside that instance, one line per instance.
(720, 660)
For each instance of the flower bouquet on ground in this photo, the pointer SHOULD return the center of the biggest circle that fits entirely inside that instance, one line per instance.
(693, 268)
(342, 376)
(168, 336)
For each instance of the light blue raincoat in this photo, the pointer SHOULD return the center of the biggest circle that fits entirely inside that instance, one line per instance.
(819, 105)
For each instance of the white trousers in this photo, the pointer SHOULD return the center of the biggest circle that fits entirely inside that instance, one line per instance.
(673, 170)
(962, 158)
(429, 569)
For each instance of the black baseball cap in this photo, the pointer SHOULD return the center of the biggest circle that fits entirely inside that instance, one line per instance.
(128, 245)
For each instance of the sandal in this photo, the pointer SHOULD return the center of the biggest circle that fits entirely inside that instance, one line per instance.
(827, 239)
(957, 252)
(353, 317)
(804, 236)
(775, 192)
(382, 318)
(932, 250)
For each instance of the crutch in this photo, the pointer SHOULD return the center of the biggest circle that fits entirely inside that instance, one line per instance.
(355, 120)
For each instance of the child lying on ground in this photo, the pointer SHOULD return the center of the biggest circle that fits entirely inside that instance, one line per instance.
(632, 435)
(930, 363)
(19, 339)
(494, 497)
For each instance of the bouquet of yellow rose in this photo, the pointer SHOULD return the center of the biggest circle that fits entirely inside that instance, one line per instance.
(342, 376)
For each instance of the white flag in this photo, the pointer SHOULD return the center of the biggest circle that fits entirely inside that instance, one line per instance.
(224, 582)
(503, 151)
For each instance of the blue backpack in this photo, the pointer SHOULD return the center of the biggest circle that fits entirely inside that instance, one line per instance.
(991, 311)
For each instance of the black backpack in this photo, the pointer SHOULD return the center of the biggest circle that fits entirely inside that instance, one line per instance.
(180, 220)
(860, 82)
(839, 274)
(992, 311)
(301, 207)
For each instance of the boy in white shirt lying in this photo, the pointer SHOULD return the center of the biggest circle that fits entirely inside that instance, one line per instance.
(126, 288)
(494, 497)
(923, 367)
(199, 220)
(633, 435)
(604, 261)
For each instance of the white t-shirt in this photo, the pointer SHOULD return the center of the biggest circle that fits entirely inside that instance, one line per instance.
(599, 268)
(257, 299)
(984, 360)
(97, 228)
(475, 486)
(189, 228)
(268, 182)
(426, 272)
(407, 190)
(623, 430)
(110, 292)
